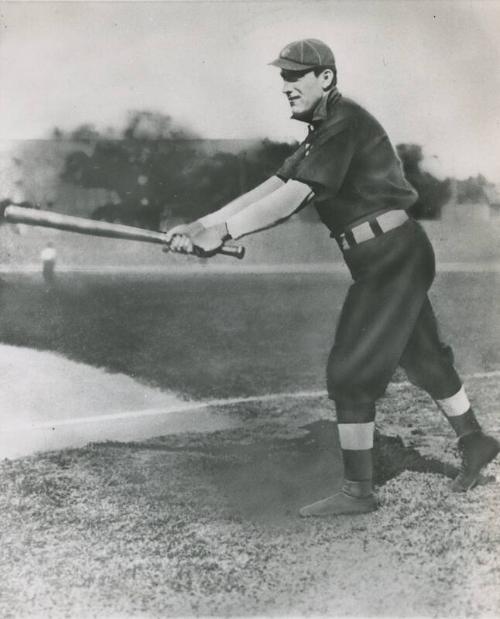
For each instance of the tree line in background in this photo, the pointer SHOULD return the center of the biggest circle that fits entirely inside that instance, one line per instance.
(156, 170)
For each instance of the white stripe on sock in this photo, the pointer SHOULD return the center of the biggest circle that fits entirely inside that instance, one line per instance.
(455, 406)
(356, 435)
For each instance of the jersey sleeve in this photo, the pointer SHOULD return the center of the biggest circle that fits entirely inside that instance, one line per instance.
(324, 164)
(286, 171)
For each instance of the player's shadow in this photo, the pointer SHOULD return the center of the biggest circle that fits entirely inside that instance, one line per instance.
(270, 480)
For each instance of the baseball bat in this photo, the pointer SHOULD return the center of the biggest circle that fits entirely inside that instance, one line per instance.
(59, 221)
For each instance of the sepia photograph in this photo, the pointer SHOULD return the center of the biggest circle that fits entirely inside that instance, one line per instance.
(249, 308)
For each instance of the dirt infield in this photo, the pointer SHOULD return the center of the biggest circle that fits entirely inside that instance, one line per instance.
(205, 523)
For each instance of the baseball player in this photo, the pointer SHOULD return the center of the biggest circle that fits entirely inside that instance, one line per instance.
(348, 168)
(48, 257)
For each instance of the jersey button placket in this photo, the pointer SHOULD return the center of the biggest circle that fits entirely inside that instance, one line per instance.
(308, 141)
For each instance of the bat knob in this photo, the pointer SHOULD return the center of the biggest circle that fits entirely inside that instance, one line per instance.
(235, 251)
(240, 252)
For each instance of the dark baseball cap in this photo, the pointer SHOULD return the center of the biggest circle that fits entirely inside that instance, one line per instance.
(305, 54)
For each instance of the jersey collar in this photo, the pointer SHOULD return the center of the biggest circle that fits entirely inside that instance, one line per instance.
(322, 110)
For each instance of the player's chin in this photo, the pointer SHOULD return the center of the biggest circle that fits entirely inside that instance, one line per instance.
(300, 114)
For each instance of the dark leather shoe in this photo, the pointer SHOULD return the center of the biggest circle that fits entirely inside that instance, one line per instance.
(477, 451)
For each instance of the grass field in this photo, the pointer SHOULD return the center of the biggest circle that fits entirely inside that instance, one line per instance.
(224, 335)
(200, 524)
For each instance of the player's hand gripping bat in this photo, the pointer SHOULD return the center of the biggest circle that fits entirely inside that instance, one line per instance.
(49, 219)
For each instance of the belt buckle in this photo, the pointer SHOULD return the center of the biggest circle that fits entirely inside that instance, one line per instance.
(363, 232)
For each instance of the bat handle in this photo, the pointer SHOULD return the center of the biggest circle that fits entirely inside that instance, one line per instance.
(235, 251)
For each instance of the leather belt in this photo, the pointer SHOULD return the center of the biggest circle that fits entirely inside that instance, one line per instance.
(376, 226)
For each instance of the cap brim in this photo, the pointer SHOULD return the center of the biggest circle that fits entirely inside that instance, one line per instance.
(290, 65)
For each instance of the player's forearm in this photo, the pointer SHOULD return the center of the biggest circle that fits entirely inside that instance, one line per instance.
(270, 210)
(243, 201)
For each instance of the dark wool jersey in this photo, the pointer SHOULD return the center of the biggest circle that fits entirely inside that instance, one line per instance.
(350, 164)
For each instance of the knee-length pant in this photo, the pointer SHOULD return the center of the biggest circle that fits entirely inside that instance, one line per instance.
(387, 320)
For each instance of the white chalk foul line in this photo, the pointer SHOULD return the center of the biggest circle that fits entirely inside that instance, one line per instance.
(194, 406)
(151, 412)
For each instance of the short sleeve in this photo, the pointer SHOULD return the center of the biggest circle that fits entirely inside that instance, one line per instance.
(289, 167)
(326, 164)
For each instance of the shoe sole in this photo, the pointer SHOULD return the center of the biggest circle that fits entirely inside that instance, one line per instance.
(357, 513)
(353, 512)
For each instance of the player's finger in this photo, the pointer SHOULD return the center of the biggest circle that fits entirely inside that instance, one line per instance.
(182, 244)
(171, 234)
(176, 242)
(185, 244)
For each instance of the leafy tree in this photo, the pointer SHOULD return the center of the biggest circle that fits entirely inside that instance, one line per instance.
(432, 193)
(84, 133)
(144, 168)
(160, 169)
(472, 190)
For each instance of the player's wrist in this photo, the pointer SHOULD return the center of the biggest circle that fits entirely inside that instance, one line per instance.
(232, 233)
(222, 231)
(196, 227)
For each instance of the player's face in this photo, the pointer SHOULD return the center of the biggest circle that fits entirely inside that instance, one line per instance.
(303, 90)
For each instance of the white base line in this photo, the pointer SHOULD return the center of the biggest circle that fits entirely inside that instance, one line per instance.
(193, 406)
(150, 412)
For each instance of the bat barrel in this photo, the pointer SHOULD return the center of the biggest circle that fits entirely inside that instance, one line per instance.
(59, 221)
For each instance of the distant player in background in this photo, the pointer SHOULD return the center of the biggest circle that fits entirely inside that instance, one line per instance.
(349, 169)
(48, 256)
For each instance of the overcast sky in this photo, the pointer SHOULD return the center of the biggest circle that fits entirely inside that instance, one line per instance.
(429, 71)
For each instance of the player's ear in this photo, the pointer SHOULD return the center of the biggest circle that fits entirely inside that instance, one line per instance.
(327, 79)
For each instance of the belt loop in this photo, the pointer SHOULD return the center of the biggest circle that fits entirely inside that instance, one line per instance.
(350, 238)
(341, 241)
(376, 227)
